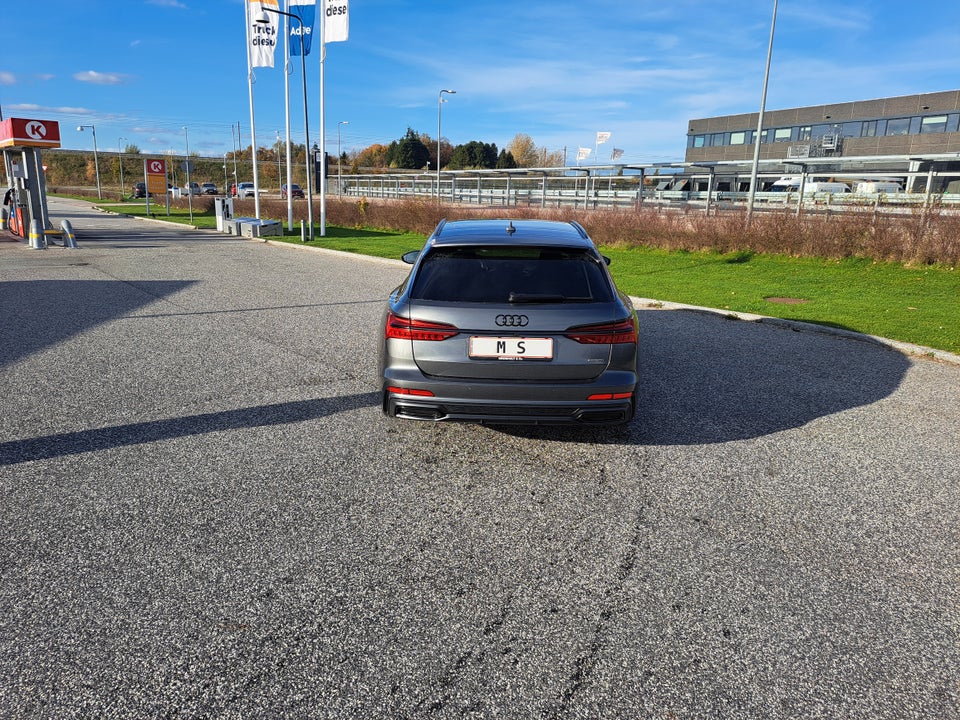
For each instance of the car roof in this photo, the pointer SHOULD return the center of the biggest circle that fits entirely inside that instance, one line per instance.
(510, 232)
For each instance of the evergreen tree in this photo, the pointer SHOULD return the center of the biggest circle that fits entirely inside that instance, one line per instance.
(505, 160)
(409, 153)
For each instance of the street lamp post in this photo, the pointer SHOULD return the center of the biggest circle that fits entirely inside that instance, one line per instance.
(226, 189)
(186, 165)
(120, 153)
(96, 158)
(339, 160)
(763, 102)
(440, 102)
(279, 169)
(306, 123)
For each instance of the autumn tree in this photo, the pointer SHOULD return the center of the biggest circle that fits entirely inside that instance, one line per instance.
(374, 156)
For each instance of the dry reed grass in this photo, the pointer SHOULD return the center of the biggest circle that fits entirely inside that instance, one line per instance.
(921, 236)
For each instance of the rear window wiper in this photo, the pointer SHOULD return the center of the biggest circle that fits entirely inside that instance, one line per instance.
(518, 297)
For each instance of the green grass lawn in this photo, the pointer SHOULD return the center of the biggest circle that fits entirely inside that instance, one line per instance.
(914, 304)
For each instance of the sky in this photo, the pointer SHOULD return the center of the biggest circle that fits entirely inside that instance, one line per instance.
(559, 71)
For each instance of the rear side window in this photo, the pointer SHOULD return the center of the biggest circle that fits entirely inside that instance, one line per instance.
(511, 274)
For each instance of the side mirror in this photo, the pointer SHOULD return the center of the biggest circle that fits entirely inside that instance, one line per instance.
(410, 257)
(606, 260)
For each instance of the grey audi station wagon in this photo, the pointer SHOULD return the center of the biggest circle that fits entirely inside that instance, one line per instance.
(509, 321)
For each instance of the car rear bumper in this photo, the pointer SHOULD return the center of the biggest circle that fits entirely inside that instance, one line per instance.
(514, 403)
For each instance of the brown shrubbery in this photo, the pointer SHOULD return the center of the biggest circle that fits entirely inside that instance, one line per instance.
(921, 236)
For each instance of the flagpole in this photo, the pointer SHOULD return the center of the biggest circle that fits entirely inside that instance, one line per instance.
(253, 131)
(323, 117)
(286, 97)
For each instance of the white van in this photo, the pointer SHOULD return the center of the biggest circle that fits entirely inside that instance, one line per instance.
(825, 187)
(873, 187)
(786, 184)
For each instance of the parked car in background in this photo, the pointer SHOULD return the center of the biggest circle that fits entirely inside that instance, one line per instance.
(506, 321)
(295, 191)
(245, 190)
(139, 190)
(191, 189)
(209, 188)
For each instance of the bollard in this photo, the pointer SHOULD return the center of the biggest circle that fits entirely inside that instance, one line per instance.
(4, 214)
(303, 231)
(37, 239)
(69, 239)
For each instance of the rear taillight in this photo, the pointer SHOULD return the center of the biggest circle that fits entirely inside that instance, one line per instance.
(622, 331)
(403, 329)
(610, 396)
(409, 391)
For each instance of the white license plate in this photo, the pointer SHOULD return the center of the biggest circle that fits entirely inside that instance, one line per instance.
(511, 348)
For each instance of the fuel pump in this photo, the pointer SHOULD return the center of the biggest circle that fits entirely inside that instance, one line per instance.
(25, 198)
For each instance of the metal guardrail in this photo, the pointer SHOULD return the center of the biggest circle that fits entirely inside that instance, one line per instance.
(601, 192)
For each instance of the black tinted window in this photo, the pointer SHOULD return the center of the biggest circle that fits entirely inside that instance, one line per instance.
(511, 274)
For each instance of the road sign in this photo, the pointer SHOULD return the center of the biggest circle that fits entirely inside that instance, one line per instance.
(29, 133)
(156, 173)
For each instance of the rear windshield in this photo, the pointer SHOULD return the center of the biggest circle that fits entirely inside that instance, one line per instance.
(511, 275)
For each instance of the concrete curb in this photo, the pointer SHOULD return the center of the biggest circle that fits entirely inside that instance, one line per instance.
(910, 349)
(339, 253)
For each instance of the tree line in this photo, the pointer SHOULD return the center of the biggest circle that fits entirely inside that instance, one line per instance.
(418, 151)
(413, 151)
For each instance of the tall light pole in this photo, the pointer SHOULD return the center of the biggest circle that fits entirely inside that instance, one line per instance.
(96, 158)
(763, 103)
(440, 102)
(120, 153)
(279, 168)
(339, 161)
(186, 165)
(306, 122)
(226, 188)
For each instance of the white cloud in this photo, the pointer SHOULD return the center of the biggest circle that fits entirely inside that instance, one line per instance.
(34, 108)
(7, 78)
(98, 78)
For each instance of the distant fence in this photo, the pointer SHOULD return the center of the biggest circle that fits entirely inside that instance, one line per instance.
(602, 192)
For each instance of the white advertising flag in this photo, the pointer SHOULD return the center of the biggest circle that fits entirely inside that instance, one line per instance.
(583, 153)
(602, 137)
(336, 20)
(261, 37)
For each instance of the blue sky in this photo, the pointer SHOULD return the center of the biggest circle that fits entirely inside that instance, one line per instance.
(556, 70)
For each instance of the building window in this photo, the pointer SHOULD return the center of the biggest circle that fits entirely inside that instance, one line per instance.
(869, 129)
(851, 129)
(898, 126)
(699, 141)
(804, 133)
(717, 140)
(953, 122)
(933, 124)
(818, 131)
(738, 138)
(782, 134)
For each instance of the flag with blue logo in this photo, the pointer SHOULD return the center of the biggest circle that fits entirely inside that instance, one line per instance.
(306, 10)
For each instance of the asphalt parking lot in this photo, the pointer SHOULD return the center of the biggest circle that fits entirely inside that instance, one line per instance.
(203, 513)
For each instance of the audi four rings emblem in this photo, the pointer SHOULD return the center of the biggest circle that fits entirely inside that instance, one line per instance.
(512, 320)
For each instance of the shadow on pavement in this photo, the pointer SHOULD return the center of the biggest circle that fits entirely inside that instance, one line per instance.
(83, 441)
(707, 379)
(41, 313)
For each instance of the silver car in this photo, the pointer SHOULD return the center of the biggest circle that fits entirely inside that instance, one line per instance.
(504, 321)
